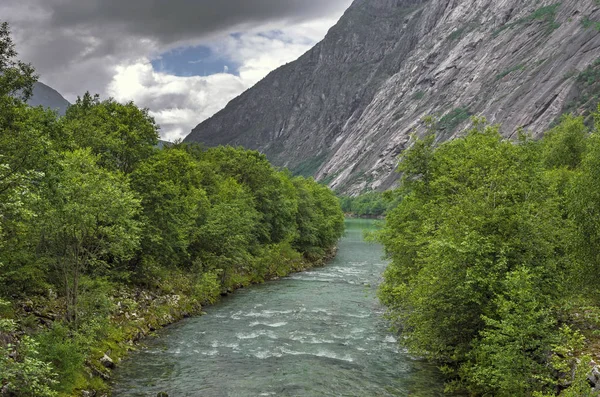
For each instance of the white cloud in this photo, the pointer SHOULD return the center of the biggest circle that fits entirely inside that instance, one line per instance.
(90, 45)
(179, 103)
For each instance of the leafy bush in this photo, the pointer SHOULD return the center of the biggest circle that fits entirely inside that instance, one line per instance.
(26, 374)
(489, 242)
(208, 287)
(59, 347)
(449, 122)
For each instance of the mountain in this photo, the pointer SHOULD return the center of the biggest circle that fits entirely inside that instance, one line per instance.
(49, 98)
(346, 109)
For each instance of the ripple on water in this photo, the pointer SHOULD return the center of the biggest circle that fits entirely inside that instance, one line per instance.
(256, 334)
(234, 346)
(309, 339)
(319, 353)
(390, 339)
(347, 337)
(264, 313)
(263, 355)
(361, 315)
(271, 325)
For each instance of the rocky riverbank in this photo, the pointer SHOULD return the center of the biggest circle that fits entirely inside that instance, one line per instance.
(134, 313)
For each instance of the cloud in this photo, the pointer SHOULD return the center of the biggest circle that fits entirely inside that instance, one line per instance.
(179, 103)
(108, 46)
(176, 20)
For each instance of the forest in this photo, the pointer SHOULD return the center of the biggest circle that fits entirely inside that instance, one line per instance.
(369, 204)
(104, 237)
(494, 258)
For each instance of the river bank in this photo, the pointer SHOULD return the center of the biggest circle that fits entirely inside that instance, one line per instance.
(129, 315)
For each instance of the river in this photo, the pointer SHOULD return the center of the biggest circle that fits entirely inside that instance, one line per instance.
(318, 333)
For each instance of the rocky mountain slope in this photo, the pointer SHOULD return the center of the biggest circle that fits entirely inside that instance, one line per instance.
(346, 109)
(49, 98)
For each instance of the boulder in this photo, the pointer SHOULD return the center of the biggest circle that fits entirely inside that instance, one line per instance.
(107, 362)
(594, 376)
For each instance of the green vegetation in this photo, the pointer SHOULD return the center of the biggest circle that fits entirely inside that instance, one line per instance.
(105, 238)
(588, 23)
(508, 71)
(453, 119)
(460, 32)
(418, 95)
(587, 83)
(370, 204)
(546, 14)
(309, 168)
(494, 248)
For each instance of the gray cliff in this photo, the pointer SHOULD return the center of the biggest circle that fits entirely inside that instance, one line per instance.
(346, 109)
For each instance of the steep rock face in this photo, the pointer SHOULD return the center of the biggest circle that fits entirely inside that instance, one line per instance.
(347, 108)
(48, 97)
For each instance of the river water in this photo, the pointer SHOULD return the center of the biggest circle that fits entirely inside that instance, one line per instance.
(318, 333)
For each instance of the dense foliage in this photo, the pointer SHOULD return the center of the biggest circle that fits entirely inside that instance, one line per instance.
(494, 249)
(371, 204)
(97, 225)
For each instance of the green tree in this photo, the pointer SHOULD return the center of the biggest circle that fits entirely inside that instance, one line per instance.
(122, 135)
(273, 192)
(483, 211)
(88, 221)
(26, 142)
(583, 203)
(23, 373)
(174, 207)
(319, 220)
(16, 77)
(227, 237)
(565, 144)
(510, 356)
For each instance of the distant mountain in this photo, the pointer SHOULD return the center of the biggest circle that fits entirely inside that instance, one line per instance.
(161, 144)
(49, 98)
(346, 109)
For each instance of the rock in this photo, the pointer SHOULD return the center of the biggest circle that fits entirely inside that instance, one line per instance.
(107, 362)
(346, 109)
(594, 376)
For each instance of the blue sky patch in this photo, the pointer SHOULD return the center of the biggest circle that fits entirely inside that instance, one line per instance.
(193, 61)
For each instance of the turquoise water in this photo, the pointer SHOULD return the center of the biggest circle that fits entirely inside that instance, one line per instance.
(318, 333)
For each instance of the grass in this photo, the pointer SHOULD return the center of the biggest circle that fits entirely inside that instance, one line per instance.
(310, 166)
(453, 119)
(587, 84)
(329, 178)
(418, 95)
(588, 23)
(508, 71)
(546, 14)
(459, 33)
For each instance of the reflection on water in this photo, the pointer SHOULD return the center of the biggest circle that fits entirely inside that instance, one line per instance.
(318, 333)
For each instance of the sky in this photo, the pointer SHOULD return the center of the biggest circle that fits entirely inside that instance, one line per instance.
(182, 59)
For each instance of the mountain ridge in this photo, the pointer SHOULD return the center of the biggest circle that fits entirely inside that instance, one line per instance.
(346, 109)
(48, 97)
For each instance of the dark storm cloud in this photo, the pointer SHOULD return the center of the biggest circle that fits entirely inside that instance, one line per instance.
(173, 20)
(74, 44)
